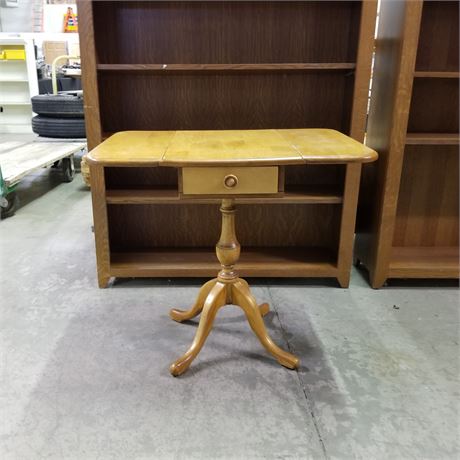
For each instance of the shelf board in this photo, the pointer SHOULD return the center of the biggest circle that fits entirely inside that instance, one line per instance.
(226, 67)
(311, 195)
(431, 74)
(432, 138)
(13, 80)
(271, 262)
(424, 262)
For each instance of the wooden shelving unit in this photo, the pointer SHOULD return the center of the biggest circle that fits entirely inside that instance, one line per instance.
(18, 83)
(227, 65)
(410, 227)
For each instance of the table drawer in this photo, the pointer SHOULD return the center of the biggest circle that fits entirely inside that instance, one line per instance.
(229, 180)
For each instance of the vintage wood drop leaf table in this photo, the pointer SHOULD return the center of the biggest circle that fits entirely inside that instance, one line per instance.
(227, 165)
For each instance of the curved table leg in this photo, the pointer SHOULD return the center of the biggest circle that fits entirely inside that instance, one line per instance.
(242, 297)
(214, 301)
(183, 315)
(263, 307)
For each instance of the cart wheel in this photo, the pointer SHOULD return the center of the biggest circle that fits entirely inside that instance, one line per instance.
(12, 202)
(68, 169)
(55, 164)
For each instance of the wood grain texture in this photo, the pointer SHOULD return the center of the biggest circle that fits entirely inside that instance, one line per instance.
(347, 225)
(432, 138)
(416, 210)
(172, 67)
(315, 175)
(125, 147)
(230, 180)
(193, 262)
(363, 70)
(139, 227)
(293, 195)
(395, 54)
(431, 74)
(427, 213)
(235, 292)
(219, 148)
(101, 231)
(234, 147)
(424, 262)
(327, 146)
(434, 106)
(226, 32)
(242, 65)
(439, 36)
(89, 78)
(228, 101)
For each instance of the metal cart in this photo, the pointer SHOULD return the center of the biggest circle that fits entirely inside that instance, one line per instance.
(17, 159)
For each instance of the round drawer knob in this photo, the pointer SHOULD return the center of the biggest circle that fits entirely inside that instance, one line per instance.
(230, 181)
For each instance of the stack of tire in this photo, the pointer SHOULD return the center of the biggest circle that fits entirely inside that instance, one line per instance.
(59, 115)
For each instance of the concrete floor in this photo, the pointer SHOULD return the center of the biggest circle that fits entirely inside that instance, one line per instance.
(85, 371)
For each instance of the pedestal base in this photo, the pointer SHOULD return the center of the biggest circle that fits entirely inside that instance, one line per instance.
(213, 295)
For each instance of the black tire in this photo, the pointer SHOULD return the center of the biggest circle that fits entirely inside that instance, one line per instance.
(59, 127)
(10, 209)
(68, 169)
(58, 105)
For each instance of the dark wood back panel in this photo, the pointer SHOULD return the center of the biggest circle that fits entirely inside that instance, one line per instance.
(438, 42)
(434, 105)
(143, 227)
(226, 32)
(138, 178)
(225, 101)
(427, 213)
(310, 174)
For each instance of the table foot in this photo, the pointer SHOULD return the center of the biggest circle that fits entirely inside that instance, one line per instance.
(215, 299)
(264, 308)
(242, 296)
(220, 294)
(183, 315)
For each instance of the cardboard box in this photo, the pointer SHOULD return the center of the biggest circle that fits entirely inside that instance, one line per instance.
(53, 49)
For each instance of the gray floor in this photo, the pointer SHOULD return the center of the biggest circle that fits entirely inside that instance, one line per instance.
(85, 371)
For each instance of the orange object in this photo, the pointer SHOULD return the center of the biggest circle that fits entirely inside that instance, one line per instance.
(70, 21)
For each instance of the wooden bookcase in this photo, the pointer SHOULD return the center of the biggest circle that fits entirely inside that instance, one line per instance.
(409, 216)
(230, 65)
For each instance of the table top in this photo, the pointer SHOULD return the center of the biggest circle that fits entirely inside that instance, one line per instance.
(231, 147)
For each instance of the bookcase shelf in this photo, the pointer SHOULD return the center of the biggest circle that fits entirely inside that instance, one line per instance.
(186, 262)
(431, 74)
(164, 68)
(432, 138)
(424, 262)
(415, 229)
(226, 65)
(294, 195)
